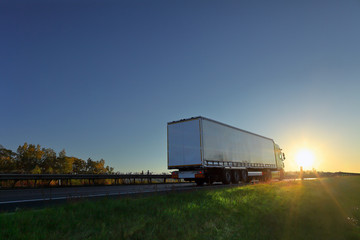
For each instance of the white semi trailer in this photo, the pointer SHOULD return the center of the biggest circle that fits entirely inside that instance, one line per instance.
(207, 151)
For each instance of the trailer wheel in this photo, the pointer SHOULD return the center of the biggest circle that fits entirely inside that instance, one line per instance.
(226, 177)
(199, 182)
(244, 176)
(235, 177)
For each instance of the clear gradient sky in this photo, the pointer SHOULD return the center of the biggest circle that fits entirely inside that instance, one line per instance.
(102, 78)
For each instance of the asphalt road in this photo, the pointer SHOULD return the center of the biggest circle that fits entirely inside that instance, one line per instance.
(28, 198)
(11, 199)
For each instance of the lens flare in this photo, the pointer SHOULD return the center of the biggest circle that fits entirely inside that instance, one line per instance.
(305, 158)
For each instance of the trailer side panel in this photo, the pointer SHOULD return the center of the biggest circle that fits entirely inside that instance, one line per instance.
(224, 143)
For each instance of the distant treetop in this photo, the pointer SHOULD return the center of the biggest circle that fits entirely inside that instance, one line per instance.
(31, 158)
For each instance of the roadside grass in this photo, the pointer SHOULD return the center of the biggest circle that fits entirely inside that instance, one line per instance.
(317, 209)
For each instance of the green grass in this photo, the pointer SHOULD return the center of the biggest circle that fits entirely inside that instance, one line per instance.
(319, 209)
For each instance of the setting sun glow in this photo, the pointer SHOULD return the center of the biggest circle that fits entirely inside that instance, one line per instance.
(305, 158)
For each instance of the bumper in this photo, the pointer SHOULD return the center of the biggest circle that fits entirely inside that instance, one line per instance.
(188, 174)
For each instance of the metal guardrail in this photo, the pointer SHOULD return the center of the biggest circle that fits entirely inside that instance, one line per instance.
(347, 174)
(81, 176)
(11, 180)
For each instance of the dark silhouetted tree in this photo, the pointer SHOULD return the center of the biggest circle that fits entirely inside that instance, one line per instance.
(48, 163)
(29, 156)
(79, 166)
(7, 160)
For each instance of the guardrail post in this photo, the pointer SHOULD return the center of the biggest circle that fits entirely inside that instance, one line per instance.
(31, 180)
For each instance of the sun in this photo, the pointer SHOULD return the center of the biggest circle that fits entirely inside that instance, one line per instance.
(305, 158)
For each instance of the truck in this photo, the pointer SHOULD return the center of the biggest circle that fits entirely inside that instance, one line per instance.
(206, 151)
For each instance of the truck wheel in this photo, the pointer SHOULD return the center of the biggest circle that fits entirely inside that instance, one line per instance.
(263, 177)
(226, 177)
(244, 176)
(268, 175)
(199, 182)
(235, 177)
(282, 174)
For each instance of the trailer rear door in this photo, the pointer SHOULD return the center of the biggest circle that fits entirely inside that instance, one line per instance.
(184, 144)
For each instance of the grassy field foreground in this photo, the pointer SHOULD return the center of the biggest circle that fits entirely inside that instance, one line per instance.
(318, 209)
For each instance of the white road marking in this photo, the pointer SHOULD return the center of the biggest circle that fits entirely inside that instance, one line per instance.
(85, 196)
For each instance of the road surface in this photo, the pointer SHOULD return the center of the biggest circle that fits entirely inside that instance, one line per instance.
(10, 199)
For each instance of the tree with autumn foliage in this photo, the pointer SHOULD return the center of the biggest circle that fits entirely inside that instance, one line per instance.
(31, 158)
(7, 160)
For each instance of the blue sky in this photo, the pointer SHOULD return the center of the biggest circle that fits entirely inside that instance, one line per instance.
(102, 78)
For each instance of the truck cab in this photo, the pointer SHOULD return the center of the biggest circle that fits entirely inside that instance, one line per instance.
(280, 157)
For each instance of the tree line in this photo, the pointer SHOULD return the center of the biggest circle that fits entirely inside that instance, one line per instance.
(31, 158)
